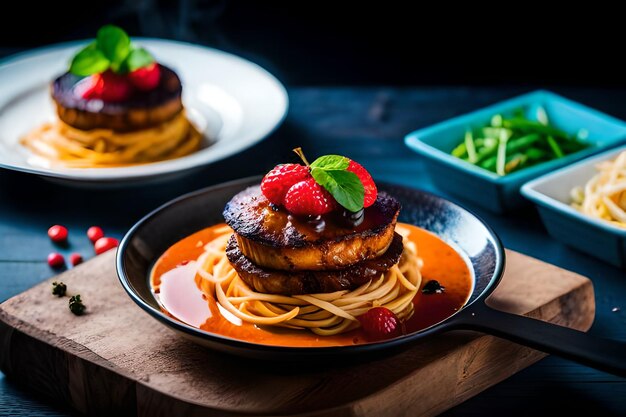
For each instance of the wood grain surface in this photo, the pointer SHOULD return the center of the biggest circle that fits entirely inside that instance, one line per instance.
(117, 359)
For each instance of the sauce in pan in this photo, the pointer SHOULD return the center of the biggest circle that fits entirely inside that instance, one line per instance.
(174, 285)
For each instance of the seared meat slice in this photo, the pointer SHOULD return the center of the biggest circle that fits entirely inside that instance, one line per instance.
(311, 282)
(143, 109)
(272, 238)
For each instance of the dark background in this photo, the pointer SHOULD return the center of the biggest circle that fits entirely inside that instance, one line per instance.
(360, 43)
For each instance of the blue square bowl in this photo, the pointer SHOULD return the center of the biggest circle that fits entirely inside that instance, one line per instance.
(501, 193)
(551, 194)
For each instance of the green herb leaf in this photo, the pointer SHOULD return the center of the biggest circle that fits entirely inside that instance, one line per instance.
(331, 162)
(329, 171)
(114, 44)
(59, 289)
(76, 305)
(138, 58)
(89, 60)
(343, 185)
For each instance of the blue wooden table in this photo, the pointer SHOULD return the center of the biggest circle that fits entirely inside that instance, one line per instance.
(366, 124)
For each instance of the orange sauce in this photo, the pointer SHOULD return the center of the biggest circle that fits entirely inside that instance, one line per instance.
(441, 263)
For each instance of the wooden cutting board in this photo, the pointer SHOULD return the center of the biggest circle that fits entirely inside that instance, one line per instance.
(117, 360)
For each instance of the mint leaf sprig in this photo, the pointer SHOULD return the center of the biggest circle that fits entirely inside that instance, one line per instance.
(330, 171)
(113, 50)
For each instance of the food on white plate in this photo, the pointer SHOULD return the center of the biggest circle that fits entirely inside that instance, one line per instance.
(116, 106)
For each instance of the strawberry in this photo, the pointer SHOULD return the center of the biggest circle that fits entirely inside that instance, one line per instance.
(380, 323)
(307, 197)
(146, 78)
(368, 183)
(279, 180)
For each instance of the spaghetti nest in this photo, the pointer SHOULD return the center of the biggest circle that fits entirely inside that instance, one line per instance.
(324, 314)
(604, 195)
(61, 144)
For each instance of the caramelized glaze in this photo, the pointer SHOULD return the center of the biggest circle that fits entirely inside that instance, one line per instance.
(252, 216)
(272, 238)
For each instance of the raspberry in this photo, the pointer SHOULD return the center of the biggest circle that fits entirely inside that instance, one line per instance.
(146, 78)
(309, 198)
(368, 183)
(280, 179)
(107, 86)
(380, 323)
(116, 87)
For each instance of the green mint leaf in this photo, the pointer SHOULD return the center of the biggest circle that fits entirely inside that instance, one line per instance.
(138, 58)
(331, 162)
(343, 185)
(90, 60)
(114, 44)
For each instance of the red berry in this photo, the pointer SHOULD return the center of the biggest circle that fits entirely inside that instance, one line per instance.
(55, 260)
(308, 198)
(146, 78)
(368, 183)
(104, 244)
(380, 323)
(279, 180)
(76, 258)
(94, 233)
(90, 87)
(107, 86)
(57, 233)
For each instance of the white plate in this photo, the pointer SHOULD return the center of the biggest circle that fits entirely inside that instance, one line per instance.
(234, 102)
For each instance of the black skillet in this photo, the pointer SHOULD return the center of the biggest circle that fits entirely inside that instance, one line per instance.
(156, 232)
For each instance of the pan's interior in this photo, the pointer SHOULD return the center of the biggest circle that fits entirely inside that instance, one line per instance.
(167, 225)
(474, 240)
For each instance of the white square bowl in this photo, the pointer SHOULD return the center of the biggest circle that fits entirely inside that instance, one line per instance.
(551, 195)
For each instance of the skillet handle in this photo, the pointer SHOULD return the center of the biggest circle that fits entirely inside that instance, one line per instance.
(603, 354)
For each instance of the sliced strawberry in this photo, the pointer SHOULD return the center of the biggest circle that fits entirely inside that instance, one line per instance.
(380, 323)
(368, 183)
(279, 180)
(146, 78)
(308, 198)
